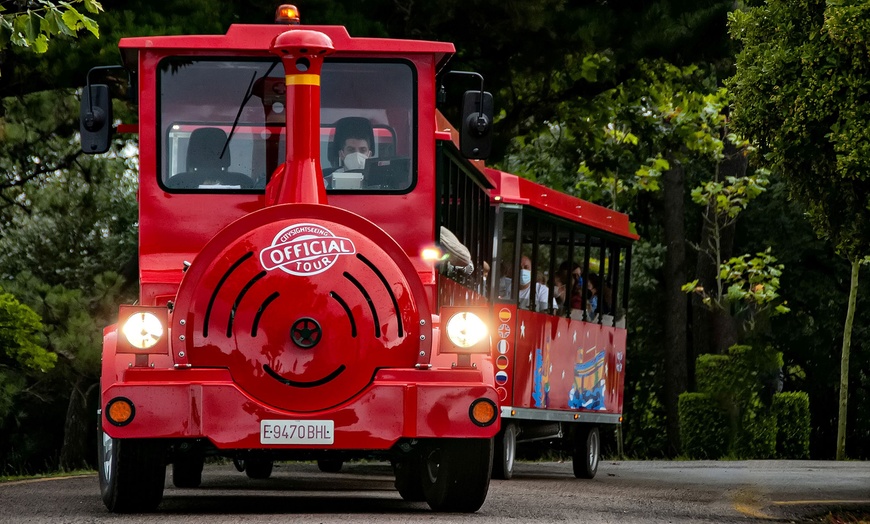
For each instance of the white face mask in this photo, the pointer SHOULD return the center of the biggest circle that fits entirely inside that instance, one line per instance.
(525, 276)
(355, 161)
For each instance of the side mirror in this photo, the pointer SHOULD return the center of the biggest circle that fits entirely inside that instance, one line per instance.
(95, 119)
(475, 135)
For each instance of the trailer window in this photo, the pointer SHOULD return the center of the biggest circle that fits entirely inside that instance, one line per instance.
(222, 125)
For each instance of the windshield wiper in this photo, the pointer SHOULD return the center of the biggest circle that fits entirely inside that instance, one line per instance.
(249, 92)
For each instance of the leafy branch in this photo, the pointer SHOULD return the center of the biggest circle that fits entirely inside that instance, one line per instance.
(33, 23)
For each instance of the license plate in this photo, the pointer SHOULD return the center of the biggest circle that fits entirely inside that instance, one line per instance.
(311, 432)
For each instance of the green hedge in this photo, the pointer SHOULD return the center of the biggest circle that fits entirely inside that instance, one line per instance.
(756, 438)
(736, 413)
(792, 412)
(704, 430)
(713, 374)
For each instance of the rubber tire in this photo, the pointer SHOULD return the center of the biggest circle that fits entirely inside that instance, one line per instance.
(505, 454)
(456, 473)
(330, 465)
(187, 470)
(258, 469)
(587, 447)
(132, 473)
(409, 479)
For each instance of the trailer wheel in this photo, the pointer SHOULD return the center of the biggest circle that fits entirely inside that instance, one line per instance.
(330, 465)
(258, 469)
(456, 474)
(505, 452)
(409, 479)
(586, 449)
(187, 470)
(132, 473)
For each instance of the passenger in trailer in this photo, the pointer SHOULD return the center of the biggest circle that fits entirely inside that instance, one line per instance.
(541, 291)
(566, 280)
(597, 294)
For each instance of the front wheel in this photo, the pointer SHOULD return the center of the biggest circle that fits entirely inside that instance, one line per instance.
(505, 452)
(132, 473)
(586, 449)
(456, 473)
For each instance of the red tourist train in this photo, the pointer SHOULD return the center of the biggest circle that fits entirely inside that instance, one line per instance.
(314, 245)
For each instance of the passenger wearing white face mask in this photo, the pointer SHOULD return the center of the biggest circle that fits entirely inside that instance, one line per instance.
(541, 290)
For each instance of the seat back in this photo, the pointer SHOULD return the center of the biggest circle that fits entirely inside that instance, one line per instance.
(204, 150)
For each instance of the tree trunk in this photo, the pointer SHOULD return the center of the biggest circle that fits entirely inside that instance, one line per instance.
(676, 369)
(716, 331)
(844, 361)
(73, 454)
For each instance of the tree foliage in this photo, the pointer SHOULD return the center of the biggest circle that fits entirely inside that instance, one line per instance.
(20, 328)
(596, 99)
(31, 24)
(801, 92)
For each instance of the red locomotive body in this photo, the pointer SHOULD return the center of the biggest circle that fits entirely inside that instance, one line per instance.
(285, 309)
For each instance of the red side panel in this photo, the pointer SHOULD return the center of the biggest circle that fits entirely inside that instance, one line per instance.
(565, 364)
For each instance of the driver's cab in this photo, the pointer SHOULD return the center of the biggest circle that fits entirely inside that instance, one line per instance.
(230, 136)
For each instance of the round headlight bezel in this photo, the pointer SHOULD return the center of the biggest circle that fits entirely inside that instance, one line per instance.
(143, 330)
(465, 329)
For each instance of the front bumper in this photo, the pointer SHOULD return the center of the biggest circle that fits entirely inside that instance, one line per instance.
(205, 403)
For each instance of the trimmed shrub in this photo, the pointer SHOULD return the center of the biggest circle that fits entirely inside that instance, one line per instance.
(757, 436)
(741, 384)
(704, 427)
(713, 374)
(792, 410)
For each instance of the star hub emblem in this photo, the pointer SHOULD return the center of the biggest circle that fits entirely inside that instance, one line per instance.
(306, 333)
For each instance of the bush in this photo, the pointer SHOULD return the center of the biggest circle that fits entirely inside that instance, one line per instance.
(713, 374)
(792, 412)
(704, 428)
(757, 436)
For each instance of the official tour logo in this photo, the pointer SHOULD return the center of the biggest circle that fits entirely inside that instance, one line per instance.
(304, 250)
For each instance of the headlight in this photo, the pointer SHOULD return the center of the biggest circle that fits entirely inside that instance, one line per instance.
(466, 329)
(142, 330)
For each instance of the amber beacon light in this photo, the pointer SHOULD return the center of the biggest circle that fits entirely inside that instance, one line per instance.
(287, 14)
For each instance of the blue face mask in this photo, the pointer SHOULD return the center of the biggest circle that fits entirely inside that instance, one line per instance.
(525, 276)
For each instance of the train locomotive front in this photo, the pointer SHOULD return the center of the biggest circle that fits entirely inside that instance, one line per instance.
(300, 331)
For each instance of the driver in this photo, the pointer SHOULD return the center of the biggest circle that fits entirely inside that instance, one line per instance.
(353, 142)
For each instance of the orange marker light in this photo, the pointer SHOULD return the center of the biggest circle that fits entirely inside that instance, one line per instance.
(287, 14)
(482, 412)
(119, 411)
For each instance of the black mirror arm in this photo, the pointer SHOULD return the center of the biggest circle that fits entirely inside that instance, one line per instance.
(476, 75)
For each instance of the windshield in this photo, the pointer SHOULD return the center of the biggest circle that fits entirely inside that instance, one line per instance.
(222, 124)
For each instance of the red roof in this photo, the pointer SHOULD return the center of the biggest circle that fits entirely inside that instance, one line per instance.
(511, 189)
(250, 37)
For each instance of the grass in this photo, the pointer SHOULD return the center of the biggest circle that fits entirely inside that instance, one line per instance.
(55, 474)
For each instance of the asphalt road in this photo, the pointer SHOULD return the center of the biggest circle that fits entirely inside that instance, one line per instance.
(624, 492)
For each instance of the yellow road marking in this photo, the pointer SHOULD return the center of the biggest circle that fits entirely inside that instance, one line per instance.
(751, 510)
(817, 502)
